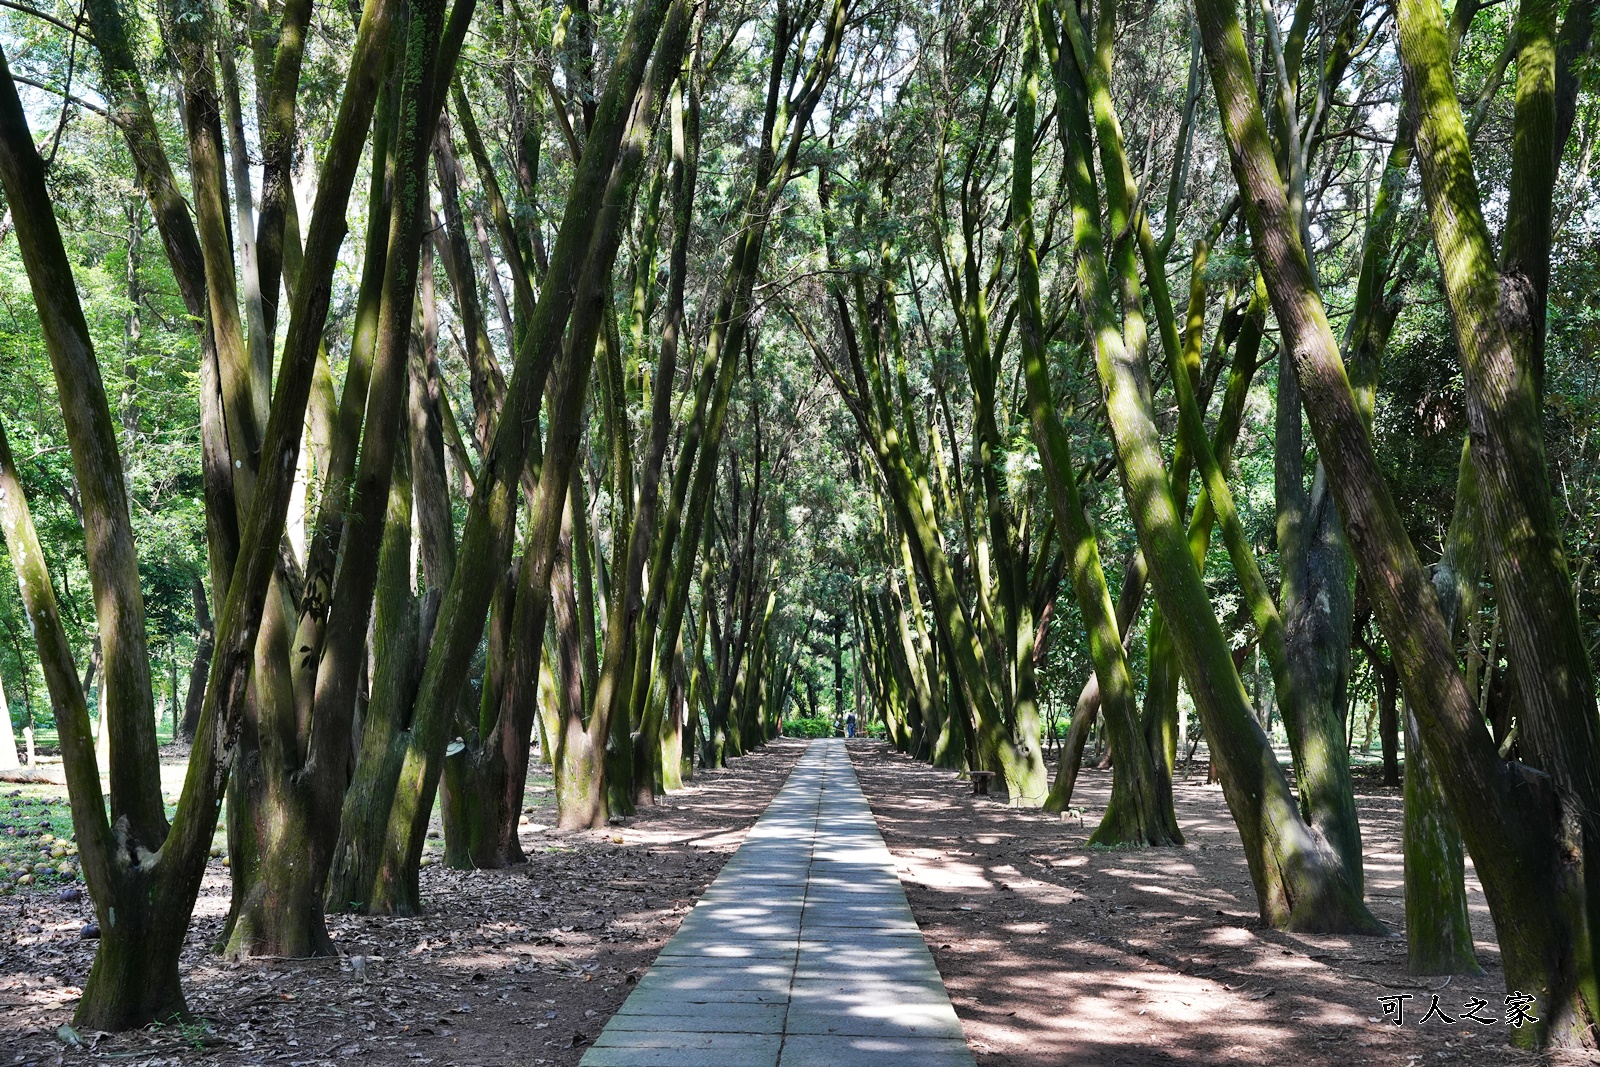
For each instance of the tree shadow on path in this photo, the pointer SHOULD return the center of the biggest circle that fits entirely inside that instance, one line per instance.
(1057, 955)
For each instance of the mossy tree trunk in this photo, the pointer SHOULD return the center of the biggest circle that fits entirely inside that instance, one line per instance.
(1140, 810)
(1438, 926)
(205, 637)
(1007, 743)
(352, 878)
(633, 115)
(304, 763)
(784, 125)
(621, 656)
(1517, 831)
(995, 522)
(145, 876)
(1499, 323)
(1299, 881)
(397, 832)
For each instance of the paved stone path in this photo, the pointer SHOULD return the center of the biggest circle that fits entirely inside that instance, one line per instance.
(803, 952)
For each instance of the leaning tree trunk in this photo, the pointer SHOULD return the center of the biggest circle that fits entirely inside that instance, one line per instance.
(1299, 882)
(397, 833)
(1318, 610)
(353, 878)
(726, 339)
(283, 913)
(1520, 827)
(149, 881)
(1499, 322)
(1140, 810)
(135, 974)
(408, 819)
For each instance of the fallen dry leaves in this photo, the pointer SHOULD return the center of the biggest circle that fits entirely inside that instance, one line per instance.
(523, 965)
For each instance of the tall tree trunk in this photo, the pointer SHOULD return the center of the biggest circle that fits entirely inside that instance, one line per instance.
(1516, 831)
(283, 914)
(1318, 610)
(1299, 881)
(1140, 810)
(1499, 324)
(785, 124)
(135, 972)
(353, 878)
(131, 977)
(582, 261)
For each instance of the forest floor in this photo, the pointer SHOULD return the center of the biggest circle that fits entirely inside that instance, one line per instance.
(1054, 954)
(1058, 954)
(516, 966)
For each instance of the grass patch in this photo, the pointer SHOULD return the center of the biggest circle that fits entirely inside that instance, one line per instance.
(36, 839)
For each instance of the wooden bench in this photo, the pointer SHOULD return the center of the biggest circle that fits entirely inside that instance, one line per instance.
(980, 782)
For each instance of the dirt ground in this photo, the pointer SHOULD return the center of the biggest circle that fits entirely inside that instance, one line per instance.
(1058, 955)
(519, 966)
(1055, 954)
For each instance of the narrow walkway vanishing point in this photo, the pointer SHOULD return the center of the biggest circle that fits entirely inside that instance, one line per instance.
(803, 952)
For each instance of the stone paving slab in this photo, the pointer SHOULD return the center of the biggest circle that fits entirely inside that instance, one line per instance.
(897, 1021)
(730, 1019)
(803, 952)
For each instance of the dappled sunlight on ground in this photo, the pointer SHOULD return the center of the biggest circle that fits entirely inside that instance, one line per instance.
(1057, 954)
(519, 966)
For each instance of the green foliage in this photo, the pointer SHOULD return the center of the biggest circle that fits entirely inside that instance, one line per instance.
(195, 1033)
(818, 727)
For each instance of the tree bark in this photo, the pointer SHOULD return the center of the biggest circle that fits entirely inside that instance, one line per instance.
(1438, 929)
(205, 639)
(1516, 829)
(1140, 810)
(581, 261)
(283, 914)
(622, 645)
(697, 456)
(1298, 880)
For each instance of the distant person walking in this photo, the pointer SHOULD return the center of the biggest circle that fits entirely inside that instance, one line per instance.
(850, 725)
